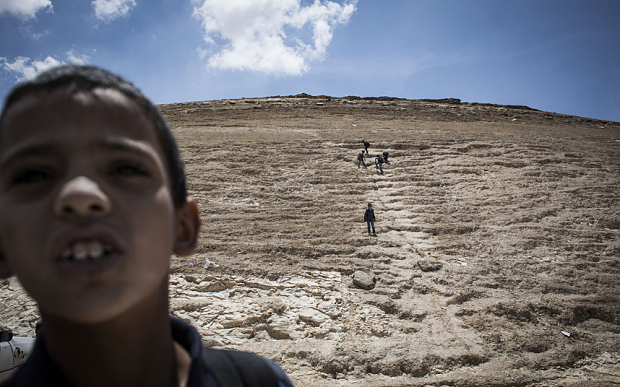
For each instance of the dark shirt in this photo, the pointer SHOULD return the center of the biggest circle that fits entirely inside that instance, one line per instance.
(366, 144)
(360, 156)
(40, 370)
(369, 215)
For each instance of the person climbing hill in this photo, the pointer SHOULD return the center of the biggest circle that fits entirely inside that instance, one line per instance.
(369, 218)
(360, 159)
(385, 156)
(366, 145)
(379, 162)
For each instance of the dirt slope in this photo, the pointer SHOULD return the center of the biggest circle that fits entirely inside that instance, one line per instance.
(519, 206)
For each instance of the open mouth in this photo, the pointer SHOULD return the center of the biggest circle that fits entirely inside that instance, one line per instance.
(86, 251)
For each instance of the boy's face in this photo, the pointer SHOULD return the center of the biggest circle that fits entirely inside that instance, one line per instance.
(87, 221)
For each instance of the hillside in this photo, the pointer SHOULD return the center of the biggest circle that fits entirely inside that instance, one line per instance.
(519, 207)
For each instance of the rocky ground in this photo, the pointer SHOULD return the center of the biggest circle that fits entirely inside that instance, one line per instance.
(518, 209)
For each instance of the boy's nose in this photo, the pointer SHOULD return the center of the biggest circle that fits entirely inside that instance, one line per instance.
(81, 197)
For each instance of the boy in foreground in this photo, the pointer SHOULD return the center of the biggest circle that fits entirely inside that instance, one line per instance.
(93, 202)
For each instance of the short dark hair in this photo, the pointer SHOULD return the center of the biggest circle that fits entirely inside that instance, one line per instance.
(87, 78)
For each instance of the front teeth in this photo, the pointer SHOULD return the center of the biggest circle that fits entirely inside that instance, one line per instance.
(96, 250)
(82, 251)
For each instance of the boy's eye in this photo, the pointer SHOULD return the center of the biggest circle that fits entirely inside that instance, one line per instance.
(129, 170)
(32, 177)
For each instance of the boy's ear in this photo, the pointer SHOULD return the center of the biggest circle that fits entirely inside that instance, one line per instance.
(188, 227)
(5, 270)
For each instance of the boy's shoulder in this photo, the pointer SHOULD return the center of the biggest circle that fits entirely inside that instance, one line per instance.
(210, 367)
(238, 368)
(226, 367)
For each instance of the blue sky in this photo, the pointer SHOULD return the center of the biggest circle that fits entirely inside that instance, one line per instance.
(555, 55)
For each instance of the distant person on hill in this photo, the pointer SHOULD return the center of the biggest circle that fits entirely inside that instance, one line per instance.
(369, 218)
(379, 162)
(360, 159)
(366, 145)
(385, 156)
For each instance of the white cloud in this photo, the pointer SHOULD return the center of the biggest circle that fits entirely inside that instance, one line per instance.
(255, 32)
(75, 58)
(24, 68)
(108, 10)
(25, 9)
(27, 31)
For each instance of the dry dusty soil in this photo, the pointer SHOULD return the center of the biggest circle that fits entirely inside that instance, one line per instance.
(518, 208)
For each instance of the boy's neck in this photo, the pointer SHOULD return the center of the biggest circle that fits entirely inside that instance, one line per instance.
(134, 349)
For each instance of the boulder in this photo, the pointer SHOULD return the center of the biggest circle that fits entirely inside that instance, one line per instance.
(429, 265)
(193, 278)
(215, 286)
(363, 280)
(282, 328)
(313, 317)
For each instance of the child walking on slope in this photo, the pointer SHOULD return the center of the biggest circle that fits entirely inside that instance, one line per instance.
(360, 159)
(369, 218)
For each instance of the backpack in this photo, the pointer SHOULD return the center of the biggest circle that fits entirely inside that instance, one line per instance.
(239, 369)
